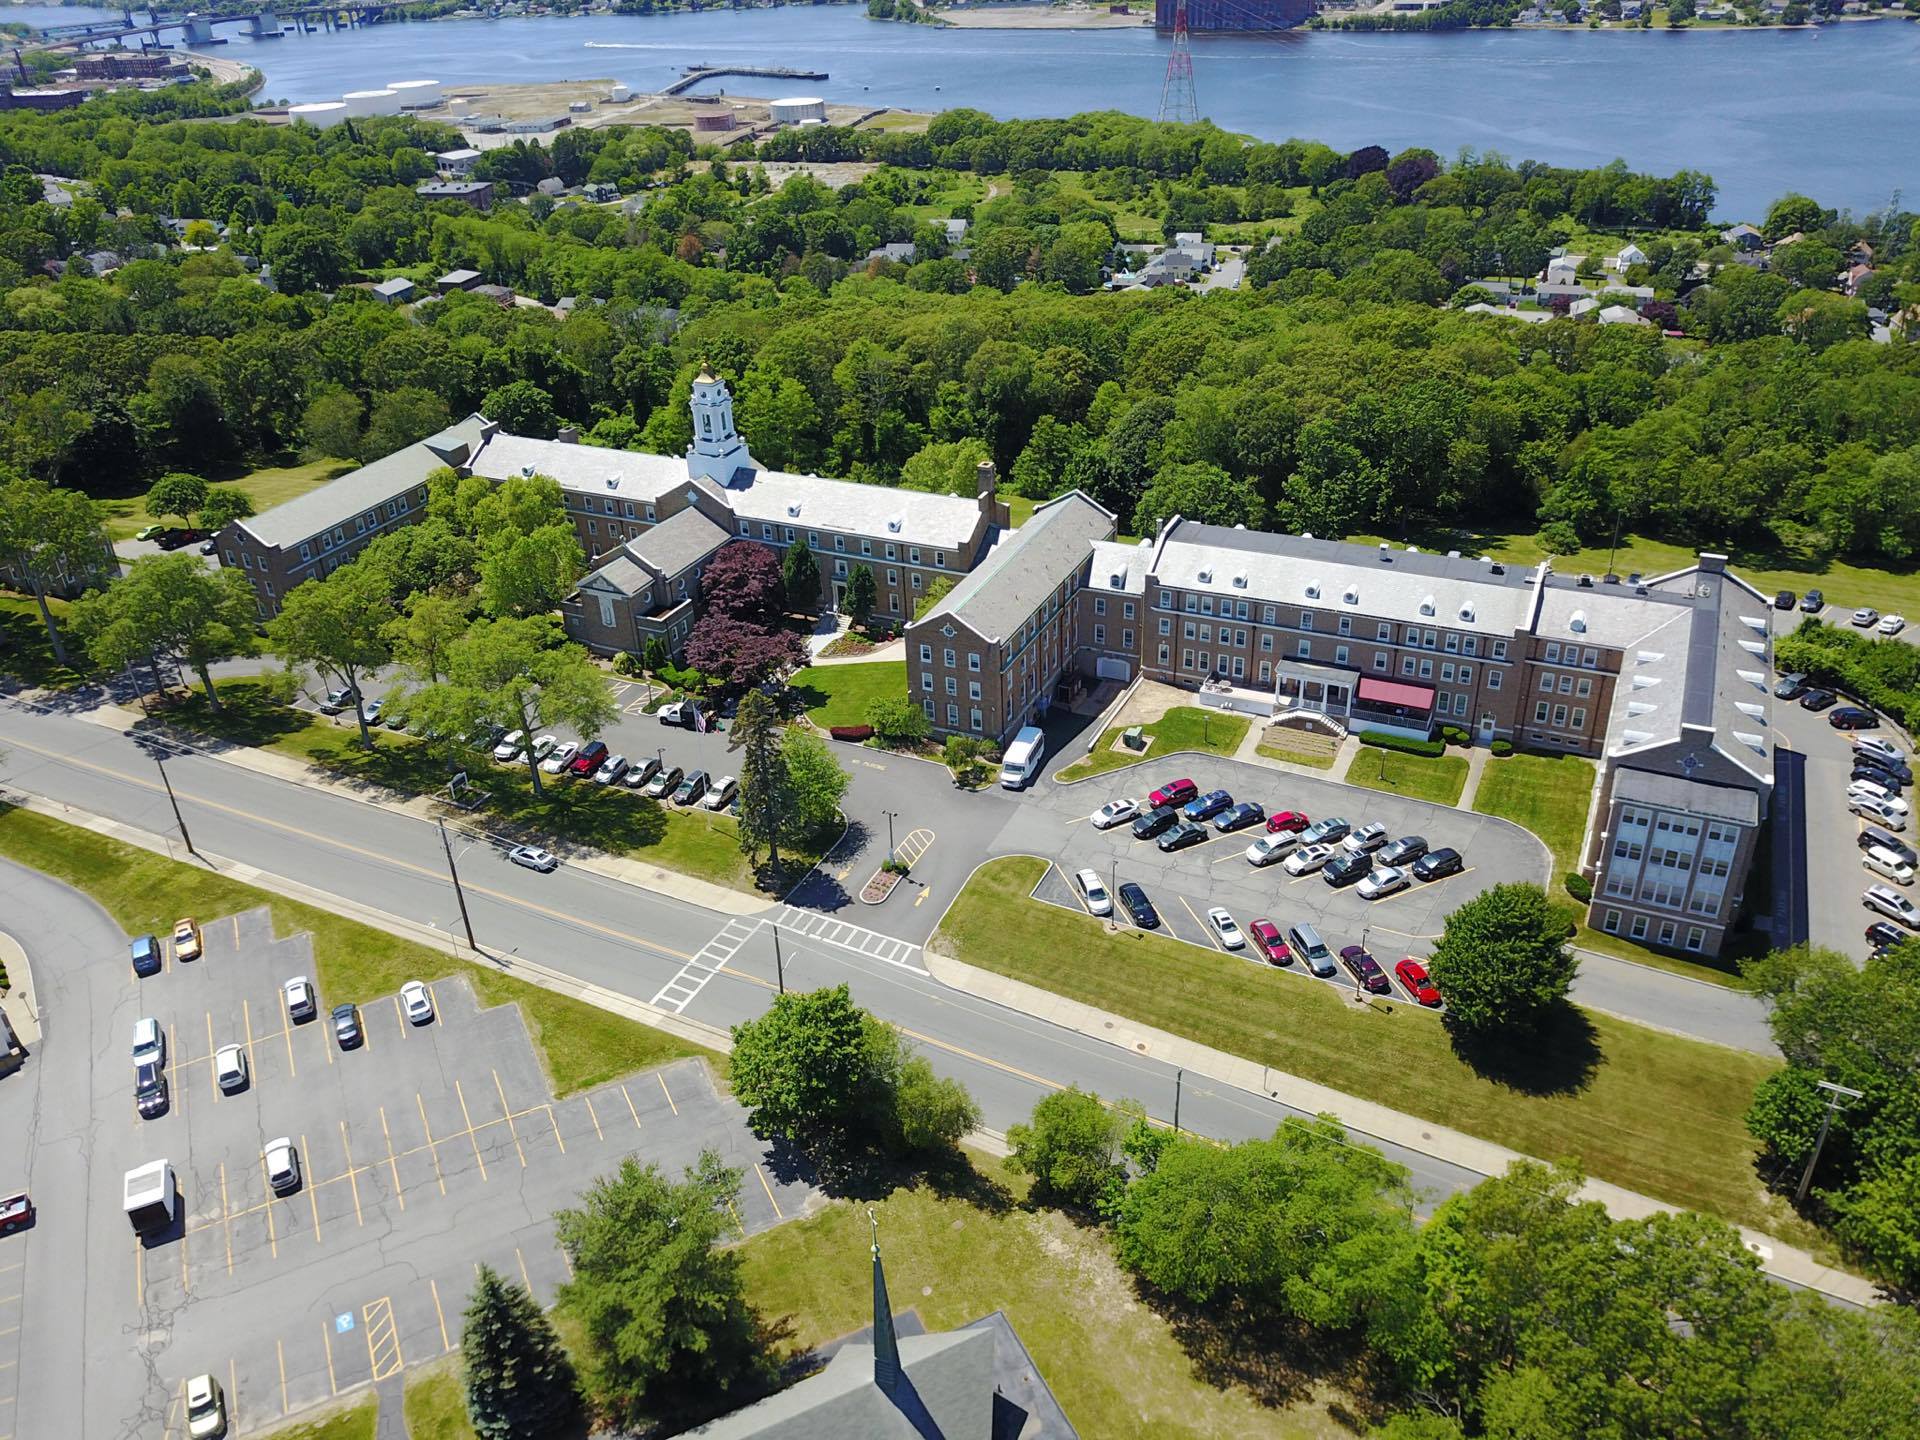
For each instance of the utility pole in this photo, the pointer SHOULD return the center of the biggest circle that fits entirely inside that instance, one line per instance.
(1835, 1100)
(465, 920)
(1178, 1076)
(779, 968)
(178, 819)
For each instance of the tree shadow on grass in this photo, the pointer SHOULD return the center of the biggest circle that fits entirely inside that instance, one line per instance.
(1276, 1360)
(1559, 1058)
(850, 1170)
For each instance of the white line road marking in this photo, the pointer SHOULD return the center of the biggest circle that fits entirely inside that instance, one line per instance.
(870, 943)
(693, 977)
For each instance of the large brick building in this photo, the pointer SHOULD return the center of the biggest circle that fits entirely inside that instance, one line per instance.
(1663, 682)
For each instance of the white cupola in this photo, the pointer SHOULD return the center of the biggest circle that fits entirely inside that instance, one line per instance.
(717, 453)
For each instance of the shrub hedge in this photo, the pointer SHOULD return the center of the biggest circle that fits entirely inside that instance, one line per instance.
(1402, 743)
(1882, 673)
(1578, 886)
(1501, 747)
(1455, 735)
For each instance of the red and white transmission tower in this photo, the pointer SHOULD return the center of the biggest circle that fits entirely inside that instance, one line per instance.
(1177, 100)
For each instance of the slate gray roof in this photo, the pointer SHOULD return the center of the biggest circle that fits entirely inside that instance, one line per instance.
(677, 543)
(372, 484)
(1026, 567)
(908, 517)
(621, 574)
(586, 469)
(1676, 792)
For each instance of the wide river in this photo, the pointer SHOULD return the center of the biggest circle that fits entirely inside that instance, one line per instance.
(1833, 112)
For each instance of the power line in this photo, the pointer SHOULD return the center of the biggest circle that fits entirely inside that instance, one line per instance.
(1178, 103)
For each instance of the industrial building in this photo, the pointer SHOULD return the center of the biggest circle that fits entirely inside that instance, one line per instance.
(1223, 16)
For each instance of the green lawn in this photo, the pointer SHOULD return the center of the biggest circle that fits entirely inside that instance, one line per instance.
(266, 488)
(436, 1403)
(582, 1045)
(25, 652)
(1115, 1364)
(355, 1422)
(839, 694)
(1656, 1113)
(1439, 778)
(613, 819)
(1547, 794)
(1185, 727)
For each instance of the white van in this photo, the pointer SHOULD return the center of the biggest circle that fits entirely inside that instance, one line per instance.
(1021, 763)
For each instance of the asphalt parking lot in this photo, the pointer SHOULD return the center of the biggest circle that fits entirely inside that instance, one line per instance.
(425, 1151)
(1186, 884)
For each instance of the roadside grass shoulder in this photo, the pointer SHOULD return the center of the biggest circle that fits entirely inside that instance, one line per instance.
(356, 1421)
(1439, 778)
(1656, 1113)
(582, 1045)
(436, 1402)
(840, 694)
(1185, 727)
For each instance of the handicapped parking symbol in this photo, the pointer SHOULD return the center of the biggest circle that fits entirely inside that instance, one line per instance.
(343, 1322)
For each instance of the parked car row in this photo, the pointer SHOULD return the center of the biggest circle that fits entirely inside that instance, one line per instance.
(1876, 794)
(593, 761)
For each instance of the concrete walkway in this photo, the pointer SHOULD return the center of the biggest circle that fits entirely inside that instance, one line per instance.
(1365, 1116)
(1249, 751)
(721, 898)
(21, 1008)
(390, 1422)
(892, 650)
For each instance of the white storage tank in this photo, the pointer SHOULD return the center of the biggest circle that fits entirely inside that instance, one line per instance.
(319, 112)
(372, 102)
(459, 105)
(619, 95)
(795, 108)
(416, 92)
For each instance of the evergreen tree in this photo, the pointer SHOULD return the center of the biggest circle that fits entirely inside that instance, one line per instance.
(801, 574)
(766, 798)
(519, 1381)
(860, 597)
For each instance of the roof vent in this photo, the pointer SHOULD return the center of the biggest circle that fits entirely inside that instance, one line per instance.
(1644, 682)
(1413, 549)
(1239, 579)
(1426, 605)
(1639, 589)
(1756, 743)
(1385, 546)
(1585, 582)
(894, 522)
(793, 509)
(1205, 577)
(613, 482)
(1313, 589)
(1453, 554)
(1352, 595)
(1633, 577)
(1306, 534)
(1641, 707)
(526, 472)
(1748, 707)
(1466, 610)
(1497, 568)
(1577, 622)
(1239, 527)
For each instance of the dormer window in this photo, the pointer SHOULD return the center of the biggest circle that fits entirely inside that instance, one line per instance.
(1240, 580)
(1351, 595)
(1313, 590)
(793, 510)
(1426, 605)
(1205, 577)
(894, 523)
(1577, 622)
(1466, 610)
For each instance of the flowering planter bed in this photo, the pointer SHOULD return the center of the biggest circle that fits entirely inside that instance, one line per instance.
(879, 886)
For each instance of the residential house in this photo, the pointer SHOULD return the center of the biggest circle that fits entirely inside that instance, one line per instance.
(397, 291)
(900, 252)
(1855, 277)
(477, 194)
(1563, 270)
(457, 280)
(1621, 315)
(1629, 255)
(1744, 237)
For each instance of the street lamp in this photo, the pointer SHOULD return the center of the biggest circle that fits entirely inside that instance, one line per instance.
(779, 967)
(892, 815)
(1835, 1094)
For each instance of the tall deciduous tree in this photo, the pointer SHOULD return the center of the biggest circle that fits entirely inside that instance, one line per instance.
(531, 574)
(177, 493)
(174, 605)
(341, 626)
(224, 505)
(1072, 1149)
(48, 532)
(743, 581)
(670, 1334)
(1503, 961)
(519, 1381)
(424, 637)
(806, 1067)
(817, 783)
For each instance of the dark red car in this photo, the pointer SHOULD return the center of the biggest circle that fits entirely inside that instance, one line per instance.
(1419, 984)
(1267, 940)
(1177, 793)
(1293, 820)
(1365, 970)
(16, 1213)
(592, 755)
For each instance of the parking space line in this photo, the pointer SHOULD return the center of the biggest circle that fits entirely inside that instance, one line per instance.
(226, 1219)
(439, 1315)
(183, 1260)
(326, 1334)
(313, 1190)
(233, 1394)
(526, 1283)
(432, 1148)
(280, 1354)
(666, 1092)
(353, 1179)
(393, 1164)
(325, 1048)
(213, 1077)
(630, 1110)
(472, 1139)
(507, 1109)
(593, 1115)
(777, 1213)
(565, 1263)
(293, 1069)
(1206, 930)
(738, 1223)
(554, 1121)
(399, 1017)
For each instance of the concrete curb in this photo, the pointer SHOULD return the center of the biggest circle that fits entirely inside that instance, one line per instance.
(21, 1007)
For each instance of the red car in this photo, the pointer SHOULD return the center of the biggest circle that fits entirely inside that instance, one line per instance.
(1286, 820)
(16, 1212)
(1266, 939)
(591, 757)
(1177, 793)
(1413, 975)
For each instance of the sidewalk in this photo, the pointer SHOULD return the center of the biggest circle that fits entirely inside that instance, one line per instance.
(22, 1009)
(1249, 752)
(1780, 1260)
(690, 888)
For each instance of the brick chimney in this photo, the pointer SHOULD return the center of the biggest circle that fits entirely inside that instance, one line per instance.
(568, 435)
(987, 494)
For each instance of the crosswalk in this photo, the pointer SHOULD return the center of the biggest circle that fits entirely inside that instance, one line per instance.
(685, 987)
(871, 943)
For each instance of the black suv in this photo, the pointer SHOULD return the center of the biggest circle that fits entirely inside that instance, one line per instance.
(1346, 868)
(1435, 863)
(1139, 907)
(1181, 836)
(1784, 600)
(1154, 822)
(1813, 602)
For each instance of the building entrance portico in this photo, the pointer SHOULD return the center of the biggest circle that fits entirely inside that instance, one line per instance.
(1301, 685)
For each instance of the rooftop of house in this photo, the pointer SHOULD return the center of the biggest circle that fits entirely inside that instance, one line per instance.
(1027, 566)
(1120, 568)
(452, 187)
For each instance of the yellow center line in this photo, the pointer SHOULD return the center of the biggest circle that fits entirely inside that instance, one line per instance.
(280, 1354)
(500, 1090)
(440, 1315)
(666, 1092)
(226, 1219)
(593, 1116)
(432, 1148)
(778, 1215)
(399, 1194)
(474, 1140)
(352, 1179)
(313, 1189)
(630, 1110)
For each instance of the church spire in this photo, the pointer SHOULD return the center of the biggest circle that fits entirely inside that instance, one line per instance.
(886, 1345)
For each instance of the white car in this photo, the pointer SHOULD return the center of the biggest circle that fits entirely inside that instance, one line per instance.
(417, 1002)
(1872, 790)
(1892, 624)
(230, 1068)
(1099, 902)
(1883, 861)
(1892, 904)
(510, 746)
(533, 857)
(1222, 924)
(1367, 838)
(206, 1408)
(1382, 882)
(1308, 858)
(283, 1166)
(1114, 812)
(1877, 811)
(560, 757)
(302, 1002)
(1269, 848)
(149, 1042)
(545, 746)
(372, 711)
(1866, 615)
(720, 794)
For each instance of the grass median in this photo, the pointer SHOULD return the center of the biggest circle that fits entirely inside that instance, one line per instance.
(1185, 727)
(1439, 778)
(1653, 1112)
(580, 1044)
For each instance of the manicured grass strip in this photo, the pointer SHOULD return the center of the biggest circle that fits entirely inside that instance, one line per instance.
(274, 485)
(1653, 1112)
(25, 652)
(1439, 778)
(1115, 1365)
(355, 1422)
(839, 694)
(1547, 794)
(582, 1045)
(1185, 727)
(436, 1403)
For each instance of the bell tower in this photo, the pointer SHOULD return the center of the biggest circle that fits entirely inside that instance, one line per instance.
(717, 453)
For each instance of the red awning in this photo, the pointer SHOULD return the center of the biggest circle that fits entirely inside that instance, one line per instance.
(1393, 692)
